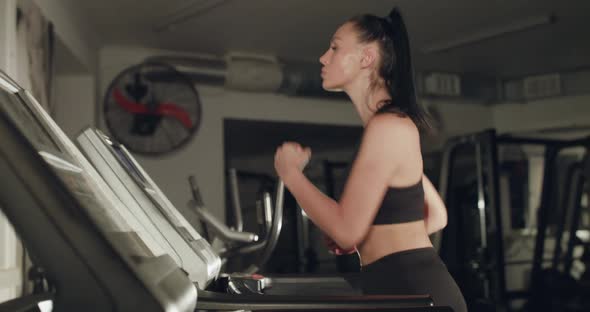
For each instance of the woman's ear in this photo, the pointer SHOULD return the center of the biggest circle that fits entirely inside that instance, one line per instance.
(369, 56)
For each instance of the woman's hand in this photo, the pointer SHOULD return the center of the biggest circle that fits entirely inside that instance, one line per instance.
(289, 157)
(334, 249)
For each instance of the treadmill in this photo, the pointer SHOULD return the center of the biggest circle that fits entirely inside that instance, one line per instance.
(114, 162)
(97, 251)
(194, 254)
(93, 258)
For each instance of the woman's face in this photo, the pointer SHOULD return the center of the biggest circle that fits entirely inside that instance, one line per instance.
(342, 62)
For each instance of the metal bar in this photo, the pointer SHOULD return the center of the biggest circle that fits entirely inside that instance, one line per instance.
(495, 213)
(538, 141)
(270, 241)
(267, 204)
(235, 198)
(542, 216)
(277, 224)
(575, 223)
(444, 181)
(481, 208)
(218, 301)
(531, 141)
(584, 179)
(566, 203)
(221, 229)
(481, 202)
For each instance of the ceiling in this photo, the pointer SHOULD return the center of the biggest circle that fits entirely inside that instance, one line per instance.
(300, 29)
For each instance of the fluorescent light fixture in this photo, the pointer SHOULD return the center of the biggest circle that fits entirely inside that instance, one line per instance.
(186, 12)
(8, 86)
(489, 33)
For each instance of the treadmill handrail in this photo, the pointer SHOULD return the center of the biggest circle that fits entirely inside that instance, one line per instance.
(221, 229)
(277, 225)
(274, 232)
(220, 301)
(235, 199)
(267, 244)
(249, 248)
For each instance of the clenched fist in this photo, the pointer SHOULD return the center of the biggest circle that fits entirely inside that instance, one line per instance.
(291, 156)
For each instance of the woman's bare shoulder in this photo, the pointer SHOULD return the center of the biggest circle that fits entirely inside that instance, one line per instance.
(392, 125)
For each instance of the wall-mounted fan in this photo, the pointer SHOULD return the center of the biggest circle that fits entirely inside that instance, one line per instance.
(152, 108)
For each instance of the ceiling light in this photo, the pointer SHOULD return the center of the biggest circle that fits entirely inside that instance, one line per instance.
(489, 33)
(186, 12)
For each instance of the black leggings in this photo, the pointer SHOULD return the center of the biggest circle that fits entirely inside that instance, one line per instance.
(413, 272)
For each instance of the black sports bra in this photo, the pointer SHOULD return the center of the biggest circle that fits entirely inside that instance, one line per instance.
(402, 204)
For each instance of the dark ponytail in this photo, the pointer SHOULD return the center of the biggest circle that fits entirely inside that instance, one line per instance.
(396, 64)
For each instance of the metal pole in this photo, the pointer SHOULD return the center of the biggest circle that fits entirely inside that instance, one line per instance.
(542, 216)
(494, 209)
(444, 181)
(235, 198)
(567, 204)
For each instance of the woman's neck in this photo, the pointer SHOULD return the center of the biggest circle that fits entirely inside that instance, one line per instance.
(367, 98)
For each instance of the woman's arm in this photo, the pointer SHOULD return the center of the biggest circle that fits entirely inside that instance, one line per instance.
(385, 142)
(435, 211)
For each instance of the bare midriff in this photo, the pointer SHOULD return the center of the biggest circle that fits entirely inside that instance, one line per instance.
(383, 240)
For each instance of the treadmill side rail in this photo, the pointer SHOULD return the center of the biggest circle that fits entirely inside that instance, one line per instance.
(217, 301)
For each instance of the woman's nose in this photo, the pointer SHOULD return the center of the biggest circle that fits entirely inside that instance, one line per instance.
(323, 58)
